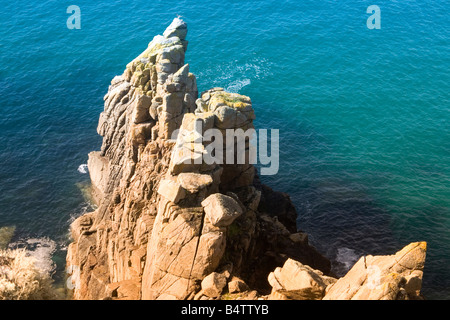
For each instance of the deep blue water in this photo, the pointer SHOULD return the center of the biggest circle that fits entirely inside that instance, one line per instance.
(363, 114)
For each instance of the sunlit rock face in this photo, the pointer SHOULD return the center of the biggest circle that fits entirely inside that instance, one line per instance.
(167, 219)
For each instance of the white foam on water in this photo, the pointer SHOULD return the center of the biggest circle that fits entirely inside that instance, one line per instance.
(85, 207)
(42, 249)
(254, 69)
(347, 257)
(83, 168)
(237, 85)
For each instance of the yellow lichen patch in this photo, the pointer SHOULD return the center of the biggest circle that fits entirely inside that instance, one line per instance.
(233, 296)
(393, 275)
(156, 46)
(232, 100)
(423, 245)
(240, 104)
(147, 58)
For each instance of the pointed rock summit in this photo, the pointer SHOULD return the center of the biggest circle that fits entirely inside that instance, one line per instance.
(178, 28)
(168, 224)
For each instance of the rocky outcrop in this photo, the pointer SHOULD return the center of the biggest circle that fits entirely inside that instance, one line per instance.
(177, 220)
(394, 277)
(171, 223)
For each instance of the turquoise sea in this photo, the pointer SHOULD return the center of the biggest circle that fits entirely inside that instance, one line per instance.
(363, 114)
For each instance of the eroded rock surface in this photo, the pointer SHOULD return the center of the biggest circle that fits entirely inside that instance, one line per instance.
(167, 219)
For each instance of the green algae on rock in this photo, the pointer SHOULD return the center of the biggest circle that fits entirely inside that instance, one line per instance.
(6, 233)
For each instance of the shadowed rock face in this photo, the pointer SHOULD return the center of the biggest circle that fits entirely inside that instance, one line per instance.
(164, 225)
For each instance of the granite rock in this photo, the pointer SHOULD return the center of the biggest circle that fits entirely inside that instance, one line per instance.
(167, 218)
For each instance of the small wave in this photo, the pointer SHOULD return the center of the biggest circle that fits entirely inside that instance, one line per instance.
(42, 249)
(82, 209)
(255, 68)
(83, 168)
(237, 85)
(347, 257)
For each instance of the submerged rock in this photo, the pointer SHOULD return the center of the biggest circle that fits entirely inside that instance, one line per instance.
(6, 233)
